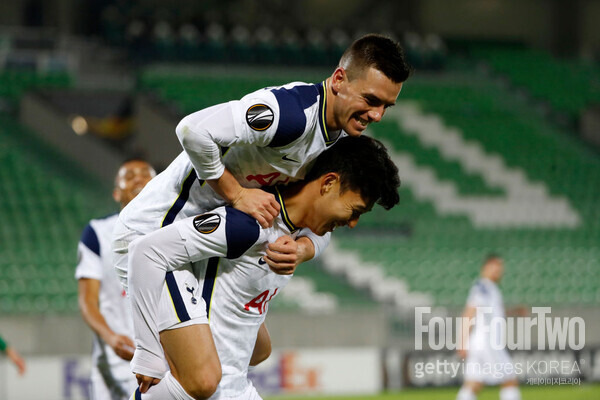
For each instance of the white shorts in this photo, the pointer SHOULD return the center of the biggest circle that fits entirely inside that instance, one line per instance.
(249, 393)
(181, 302)
(489, 366)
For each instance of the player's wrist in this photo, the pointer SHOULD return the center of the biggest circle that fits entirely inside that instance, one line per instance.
(306, 249)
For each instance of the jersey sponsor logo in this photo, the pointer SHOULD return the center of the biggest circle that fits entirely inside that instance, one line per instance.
(285, 158)
(259, 117)
(261, 301)
(268, 179)
(207, 223)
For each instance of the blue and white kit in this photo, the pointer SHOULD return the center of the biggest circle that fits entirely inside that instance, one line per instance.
(208, 267)
(111, 375)
(487, 360)
(271, 136)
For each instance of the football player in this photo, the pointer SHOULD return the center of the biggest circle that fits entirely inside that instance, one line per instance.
(101, 298)
(215, 269)
(271, 136)
(486, 363)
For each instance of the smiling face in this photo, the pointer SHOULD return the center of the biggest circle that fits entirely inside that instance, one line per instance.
(131, 179)
(360, 101)
(335, 208)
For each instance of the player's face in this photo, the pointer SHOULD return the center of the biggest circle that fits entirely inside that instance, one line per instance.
(334, 209)
(363, 100)
(131, 179)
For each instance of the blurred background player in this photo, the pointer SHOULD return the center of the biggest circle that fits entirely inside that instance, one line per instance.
(486, 364)
(270, 136)
(102, 300)
(13, 355)
(217, 271)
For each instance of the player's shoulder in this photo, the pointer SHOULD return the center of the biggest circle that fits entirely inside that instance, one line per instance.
(106, 222)
(96, 229)
(241, 230)
(298, 94)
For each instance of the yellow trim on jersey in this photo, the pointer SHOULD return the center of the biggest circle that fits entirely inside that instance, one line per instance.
(327, 139)
(284, 213)
(176, 198)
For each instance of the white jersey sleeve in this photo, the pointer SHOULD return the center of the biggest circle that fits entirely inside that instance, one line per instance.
(320, 242)
(88, 253)
(224, 232)
(251, 121)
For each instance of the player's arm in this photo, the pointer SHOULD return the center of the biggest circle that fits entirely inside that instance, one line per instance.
(89, 273)
(262, 348)
(88, 298)
(467, 315)
(203, 134)
(13, 355)
(285, 254)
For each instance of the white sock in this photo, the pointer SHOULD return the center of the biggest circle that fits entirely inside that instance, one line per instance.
(465, 393)
(167, 389)
(510, 393)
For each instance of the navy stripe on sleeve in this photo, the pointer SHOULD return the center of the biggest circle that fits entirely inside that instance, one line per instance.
(180, 309)
(181, 199)
(292, 120)
(241, 231)
(90, 239)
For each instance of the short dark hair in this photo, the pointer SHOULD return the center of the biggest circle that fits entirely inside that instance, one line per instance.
(490, 257)
(364, 166)
(379, 52)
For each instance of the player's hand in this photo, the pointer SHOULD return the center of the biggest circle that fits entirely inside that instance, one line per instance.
(462, 353)
(261, 205)
(285, 254)
(123, 346)
(16, 359)
(146, 382)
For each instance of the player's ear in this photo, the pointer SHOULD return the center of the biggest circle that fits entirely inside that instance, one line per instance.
(328, 181)
(338, 77)
(117, 195)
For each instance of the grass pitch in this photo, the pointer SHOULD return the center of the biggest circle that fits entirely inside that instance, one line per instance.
(563, 392)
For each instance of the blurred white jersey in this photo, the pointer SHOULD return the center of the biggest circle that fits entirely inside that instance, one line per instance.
(271, 136)
(111, 374)
(487, 299)
(218, 272)
(487, 360)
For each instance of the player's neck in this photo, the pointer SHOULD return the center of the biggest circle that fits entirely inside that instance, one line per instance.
(329, 119)
(297, 199)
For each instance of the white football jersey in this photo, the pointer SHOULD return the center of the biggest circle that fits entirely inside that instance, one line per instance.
(271, 136)
(95, 262)
(486, 297)
(216, 270)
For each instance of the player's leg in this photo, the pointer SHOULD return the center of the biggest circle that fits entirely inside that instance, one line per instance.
(185, 335)
(193, 359)
(473, 376)
(469, 390)
(509, 390)
(262, 347)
